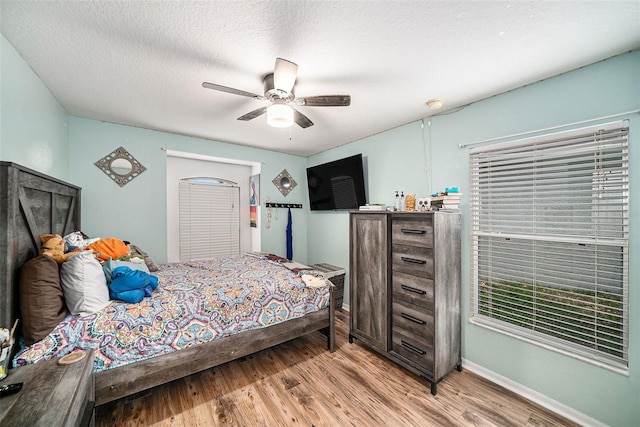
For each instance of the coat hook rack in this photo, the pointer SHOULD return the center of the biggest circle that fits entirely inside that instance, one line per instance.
(284, 205)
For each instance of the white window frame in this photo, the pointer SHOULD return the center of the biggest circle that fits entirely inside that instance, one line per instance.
(539, 216)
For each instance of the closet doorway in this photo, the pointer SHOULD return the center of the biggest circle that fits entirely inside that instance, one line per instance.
(182, 166)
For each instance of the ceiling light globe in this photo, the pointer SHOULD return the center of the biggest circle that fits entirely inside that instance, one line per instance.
(280, 116)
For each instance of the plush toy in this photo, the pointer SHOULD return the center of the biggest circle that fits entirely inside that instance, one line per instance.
(131, 285)
(54, 246)
(74, 240)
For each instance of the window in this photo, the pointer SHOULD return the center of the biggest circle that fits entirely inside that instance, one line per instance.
(209, 218)
(550, 219)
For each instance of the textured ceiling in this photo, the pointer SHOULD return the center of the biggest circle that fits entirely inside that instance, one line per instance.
(142, 63)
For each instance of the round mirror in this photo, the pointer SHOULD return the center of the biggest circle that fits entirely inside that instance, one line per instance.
(121, 166)
(284, 182)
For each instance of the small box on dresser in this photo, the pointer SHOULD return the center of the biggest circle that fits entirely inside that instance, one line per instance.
(336, 276)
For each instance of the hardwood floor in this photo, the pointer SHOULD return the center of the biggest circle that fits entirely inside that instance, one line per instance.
(301, 383)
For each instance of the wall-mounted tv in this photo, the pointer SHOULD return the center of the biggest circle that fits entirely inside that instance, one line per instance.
(337, 185)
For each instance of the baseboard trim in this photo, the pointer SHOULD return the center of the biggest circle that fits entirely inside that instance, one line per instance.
(533, 395)
(527, 393)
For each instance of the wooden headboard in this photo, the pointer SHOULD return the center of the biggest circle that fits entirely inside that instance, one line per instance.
(31, 204)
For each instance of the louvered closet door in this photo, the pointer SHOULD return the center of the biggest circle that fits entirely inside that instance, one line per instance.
(209, 221)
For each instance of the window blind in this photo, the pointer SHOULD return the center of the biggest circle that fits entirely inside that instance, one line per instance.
(550, 230)
(209, 220)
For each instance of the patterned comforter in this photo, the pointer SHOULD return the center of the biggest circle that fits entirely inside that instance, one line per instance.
(196, 302)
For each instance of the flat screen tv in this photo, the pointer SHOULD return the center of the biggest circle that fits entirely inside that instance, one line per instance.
(337, 185)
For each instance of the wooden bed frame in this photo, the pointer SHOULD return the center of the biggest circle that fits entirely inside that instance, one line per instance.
(35, 204)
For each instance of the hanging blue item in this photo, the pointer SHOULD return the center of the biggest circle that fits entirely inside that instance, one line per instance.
(289, 237)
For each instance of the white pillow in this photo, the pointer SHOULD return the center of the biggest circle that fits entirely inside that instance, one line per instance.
(83, 284)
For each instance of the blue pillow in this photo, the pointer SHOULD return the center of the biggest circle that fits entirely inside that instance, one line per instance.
(131, 285)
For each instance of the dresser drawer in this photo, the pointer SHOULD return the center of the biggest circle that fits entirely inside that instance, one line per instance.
(417, 231)
(413, 321)
(414, 290)
(413, 350)
(412, 260)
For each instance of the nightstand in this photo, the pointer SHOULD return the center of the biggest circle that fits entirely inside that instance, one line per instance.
(52, 395)
(336, 276)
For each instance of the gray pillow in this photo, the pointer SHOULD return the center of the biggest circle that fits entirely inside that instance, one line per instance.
(111, 265)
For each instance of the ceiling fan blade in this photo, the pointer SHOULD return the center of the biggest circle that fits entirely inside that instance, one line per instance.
(253, 114)
(284, 75)
(231, 90)
(324, 101)
(301, 120)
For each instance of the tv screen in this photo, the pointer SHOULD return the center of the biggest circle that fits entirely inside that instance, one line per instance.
(337, 185)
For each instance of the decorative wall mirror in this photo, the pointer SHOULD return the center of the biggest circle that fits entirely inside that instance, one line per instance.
(284, 182)
(120, 166)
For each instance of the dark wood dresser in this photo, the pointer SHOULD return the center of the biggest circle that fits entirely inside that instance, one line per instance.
(405, 289)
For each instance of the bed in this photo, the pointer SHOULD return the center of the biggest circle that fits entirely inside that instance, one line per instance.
(272, 304)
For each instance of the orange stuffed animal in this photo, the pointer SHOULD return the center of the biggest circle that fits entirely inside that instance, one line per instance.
(53, 246)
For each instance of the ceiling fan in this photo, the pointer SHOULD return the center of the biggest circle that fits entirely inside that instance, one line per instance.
(278, 90)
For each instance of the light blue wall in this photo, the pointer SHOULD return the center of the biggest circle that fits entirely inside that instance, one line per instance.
(33, 125)
(603, 89)
(396, 160)
(393, 160)
(137, 211)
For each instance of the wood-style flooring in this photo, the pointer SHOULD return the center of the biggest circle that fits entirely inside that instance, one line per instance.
(301, 383)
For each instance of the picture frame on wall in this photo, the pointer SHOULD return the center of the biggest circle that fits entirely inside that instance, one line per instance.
(253, 216)
(254, 190)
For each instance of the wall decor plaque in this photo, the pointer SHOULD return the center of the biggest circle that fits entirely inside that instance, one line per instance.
(284, 182)
(120, 166)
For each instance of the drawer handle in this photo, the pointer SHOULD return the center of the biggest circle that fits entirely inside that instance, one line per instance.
(413, 260)
(413, 348)
(412, 231)
(413, 319)
(414, 290)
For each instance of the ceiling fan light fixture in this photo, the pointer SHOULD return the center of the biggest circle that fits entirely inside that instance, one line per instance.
(280, 116)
